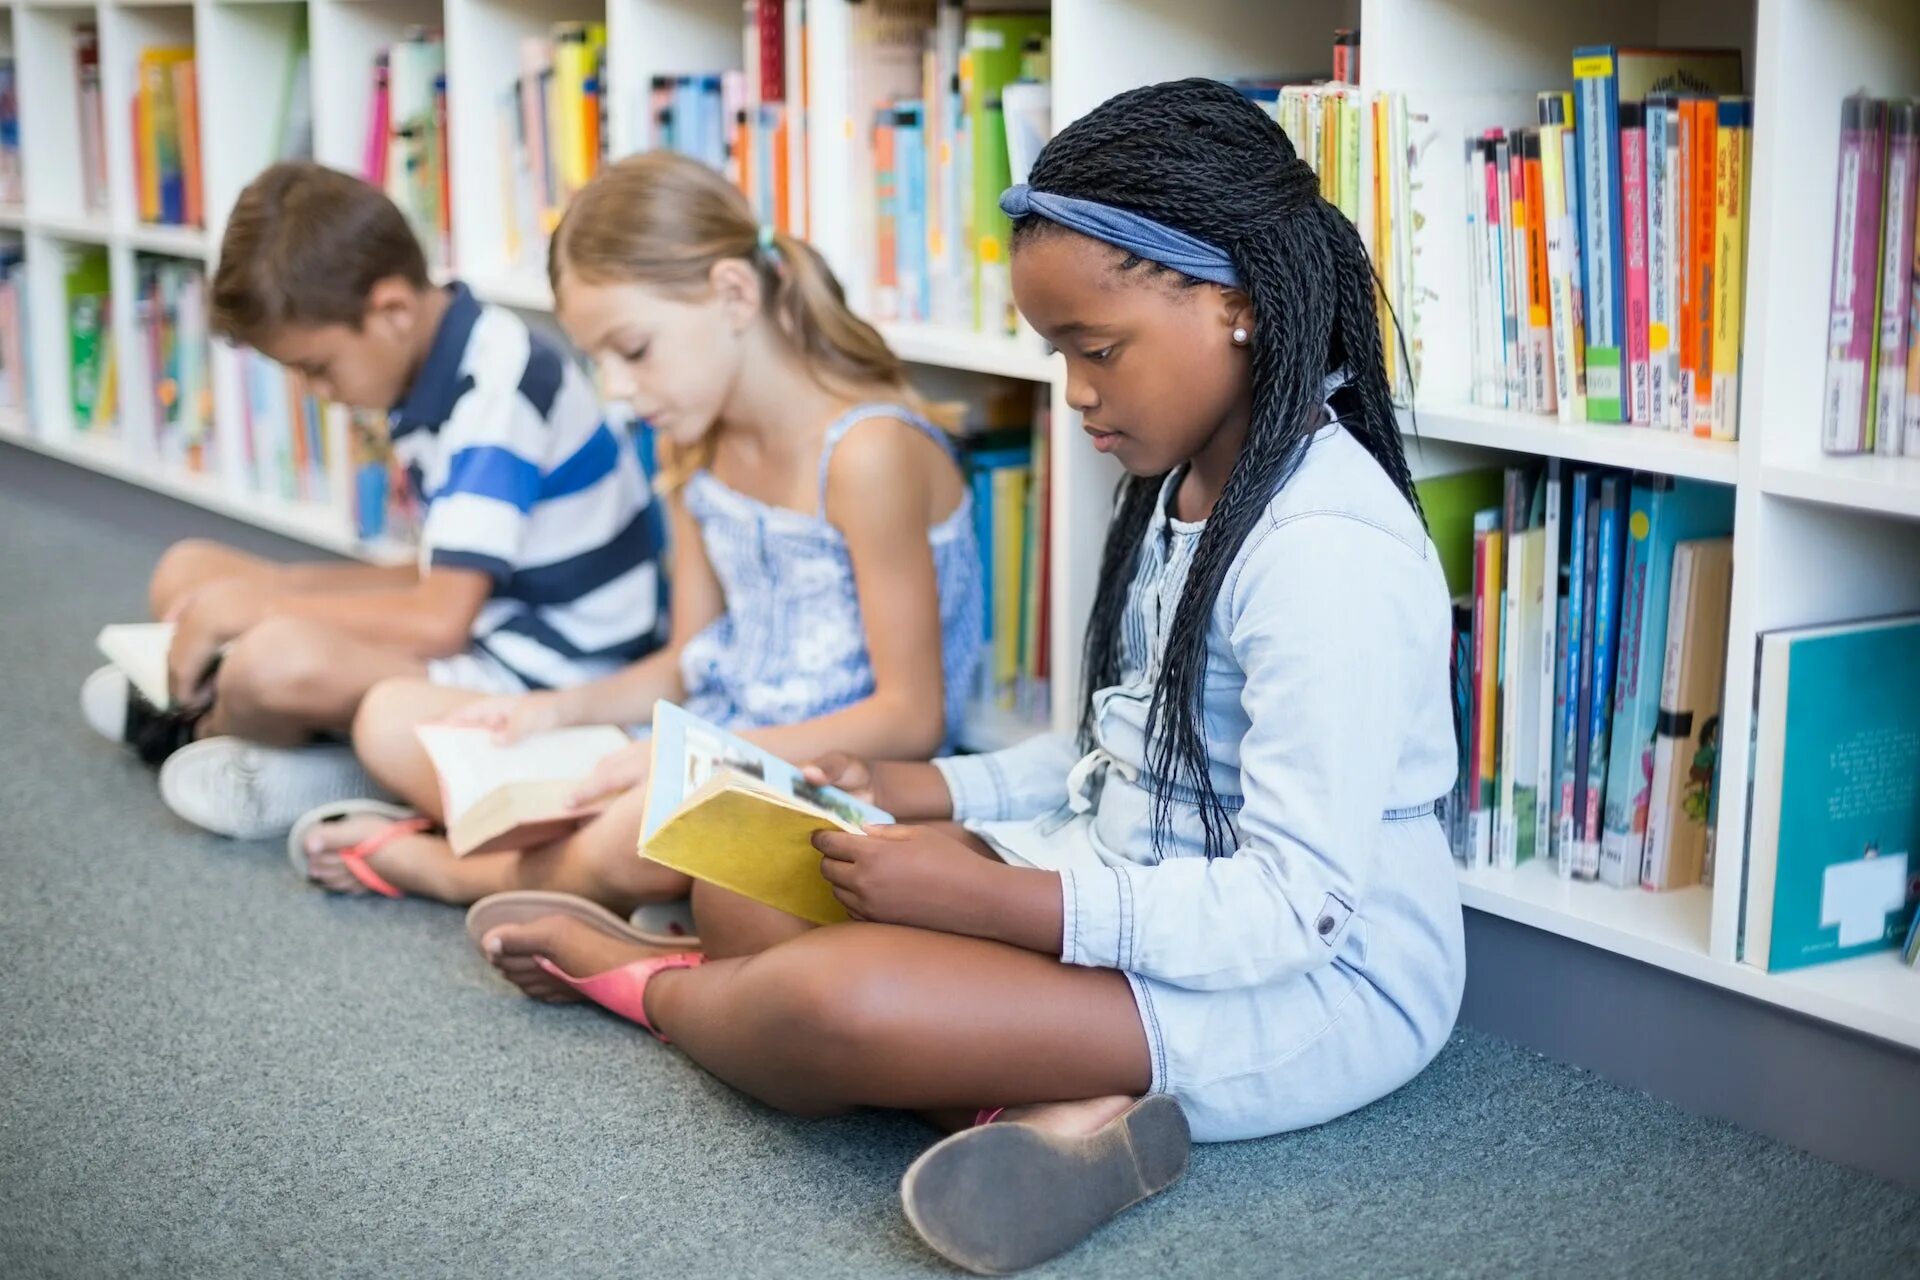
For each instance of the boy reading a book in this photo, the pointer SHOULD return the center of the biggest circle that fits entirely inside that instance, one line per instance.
(538, 563)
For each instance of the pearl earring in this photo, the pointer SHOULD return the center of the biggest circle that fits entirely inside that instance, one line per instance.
(1239, 337)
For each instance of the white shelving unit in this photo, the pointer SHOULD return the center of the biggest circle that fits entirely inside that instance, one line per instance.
(1817, 539)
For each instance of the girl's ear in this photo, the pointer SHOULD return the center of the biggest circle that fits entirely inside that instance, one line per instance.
(1236, 316)
(736, 286)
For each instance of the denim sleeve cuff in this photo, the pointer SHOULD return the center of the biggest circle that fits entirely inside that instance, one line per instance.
(1097, 918)
(978, 786)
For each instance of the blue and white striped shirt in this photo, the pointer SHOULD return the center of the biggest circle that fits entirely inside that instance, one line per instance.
(524, 479)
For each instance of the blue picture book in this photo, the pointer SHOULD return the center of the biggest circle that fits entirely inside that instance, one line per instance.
(1664, 513)
(1836, 793)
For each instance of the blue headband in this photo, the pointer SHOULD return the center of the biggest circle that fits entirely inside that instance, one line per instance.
(1127, 230)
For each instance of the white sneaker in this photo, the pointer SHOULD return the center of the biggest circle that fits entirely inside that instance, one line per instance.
(241, 789)
(103, 701)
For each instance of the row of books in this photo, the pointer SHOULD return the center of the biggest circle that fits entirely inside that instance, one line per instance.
(553, 131)
(15, 389)
(1323, 121)
(960, 109)
(12, 186)
(1003, 429)
(1607, 245)
(285, 442)
(1832, 870)
(93, 370)
(406, 147)
(1591, 628)
(1872, 401)
(170, 312)
(166, 138)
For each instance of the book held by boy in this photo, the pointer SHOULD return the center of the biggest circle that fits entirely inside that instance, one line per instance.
(515, 795)
(725, 811)
(140, 650)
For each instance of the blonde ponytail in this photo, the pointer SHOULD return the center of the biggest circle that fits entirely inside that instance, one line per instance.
(661, 219)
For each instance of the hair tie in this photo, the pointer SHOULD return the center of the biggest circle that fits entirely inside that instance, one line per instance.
(765, 241)
(1125, 229)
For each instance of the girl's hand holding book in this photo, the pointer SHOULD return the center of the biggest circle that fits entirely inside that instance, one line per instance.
(620, 772)
(906, 875)
(512, 716)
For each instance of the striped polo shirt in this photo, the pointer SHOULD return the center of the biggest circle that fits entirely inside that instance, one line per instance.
(523, 478)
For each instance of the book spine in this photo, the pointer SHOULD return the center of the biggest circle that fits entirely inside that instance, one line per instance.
(1846, 421)
(1546, 783)
(1575, 664)
(1513, 243)
(910, 175)
(1606, 649)
(1486, 667)
(1597, 124)
(1494, 236)
(1633, 199)
(1621, 841)
(1476, 272)
(1673, 724)
(1583, 692)
(1659, 262)
(1699, 410)
(1507, 843)
(1671, 198)
(886, 292)
(1896, 275)
(1569, 353)
(1542, 387)
(1686, 277)
(1730, 238)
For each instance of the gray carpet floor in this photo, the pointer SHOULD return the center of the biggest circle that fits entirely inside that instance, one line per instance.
(207, 1069)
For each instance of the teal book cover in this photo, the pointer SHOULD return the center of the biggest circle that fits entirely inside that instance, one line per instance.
(1665, 512)
(1850, 795)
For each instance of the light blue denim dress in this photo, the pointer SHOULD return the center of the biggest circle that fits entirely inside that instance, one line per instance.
(1319, 967)
(791, 644)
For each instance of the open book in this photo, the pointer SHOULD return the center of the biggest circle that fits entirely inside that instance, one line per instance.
(140, 650)
(513, 796)
(727, 812)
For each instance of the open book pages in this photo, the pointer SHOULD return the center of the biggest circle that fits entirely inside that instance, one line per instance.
(513, 795)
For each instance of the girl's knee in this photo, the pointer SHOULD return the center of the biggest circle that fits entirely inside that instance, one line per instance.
(184, 565)
(383, 725)
(827, 994)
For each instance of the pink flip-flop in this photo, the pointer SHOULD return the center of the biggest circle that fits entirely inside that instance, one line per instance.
(624, 990)
(400, 822)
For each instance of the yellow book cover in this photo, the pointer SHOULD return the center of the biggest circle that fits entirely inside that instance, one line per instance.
(154, 96)
(1731, 141)
(722, 810)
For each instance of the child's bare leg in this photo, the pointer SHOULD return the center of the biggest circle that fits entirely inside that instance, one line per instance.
(876, 1015)
(287, 679)
(191, 563)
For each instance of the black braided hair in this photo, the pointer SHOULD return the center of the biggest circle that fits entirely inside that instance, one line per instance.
(1196, 155)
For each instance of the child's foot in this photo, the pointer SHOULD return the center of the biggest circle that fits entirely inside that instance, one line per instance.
(572, 945)
(407, 861)
(120, 713)
(971, 1197)
(249, 792)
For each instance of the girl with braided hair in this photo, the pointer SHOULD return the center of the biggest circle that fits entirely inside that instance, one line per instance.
(1225, 908)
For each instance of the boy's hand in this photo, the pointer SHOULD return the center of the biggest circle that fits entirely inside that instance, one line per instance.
(511, 716)
(905, 875)
(850, 774)
(620, 772)
(217, 613)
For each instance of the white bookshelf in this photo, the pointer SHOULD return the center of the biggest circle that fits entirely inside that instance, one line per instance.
(1817, 538)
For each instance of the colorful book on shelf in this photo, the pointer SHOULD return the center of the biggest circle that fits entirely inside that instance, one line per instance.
(1636, 391)
(1836, 814)
(1609, 545)
(994, 45)
(1697, 406)
(1563, 258)
(725, 811)
(1686, 743)
(1733, 142)
(1577, 670)
(1664, 513)
(1662, 116)
(89, 307)
(515, 795)
(1520, 769)
(1483, 793)
(1899, 219)
(1847, 409)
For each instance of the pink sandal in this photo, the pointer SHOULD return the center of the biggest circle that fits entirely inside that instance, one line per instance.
(401, 822)
(623, 990)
